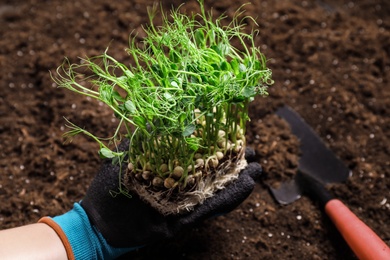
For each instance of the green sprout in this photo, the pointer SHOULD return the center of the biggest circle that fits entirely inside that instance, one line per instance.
(183, 102)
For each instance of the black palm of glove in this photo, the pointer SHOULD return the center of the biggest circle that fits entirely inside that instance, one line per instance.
(130, 222)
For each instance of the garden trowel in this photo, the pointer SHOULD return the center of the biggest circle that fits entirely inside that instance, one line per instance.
(317, 167)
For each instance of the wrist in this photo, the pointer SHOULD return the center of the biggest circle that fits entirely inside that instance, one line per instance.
(80, 238)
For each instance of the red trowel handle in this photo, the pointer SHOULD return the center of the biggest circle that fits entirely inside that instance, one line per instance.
(362, 240)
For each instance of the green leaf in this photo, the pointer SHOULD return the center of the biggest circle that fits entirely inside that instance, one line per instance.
(105, 94)
(216, 49)
(122, 79)
(106, 153)
(129, 105)
(199, 38)
(242, 67)
(215, 66)
(156, 68)
(188, 130)
(224, 49)
(182, 117)
(140, 121)
(193, 143)
(128, 74)
(249, 91)
(211, 35)
(225, 66)
(117, 96)
(174, 84)
(238, 99)
(168, 96)
(174, 56)
(173, 67)
(234, 65)
(257, 65)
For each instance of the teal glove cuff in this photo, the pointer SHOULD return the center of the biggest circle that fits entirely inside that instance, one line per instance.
(85, 240)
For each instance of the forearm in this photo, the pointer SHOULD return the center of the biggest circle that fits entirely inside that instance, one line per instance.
(35, 241)
(68, 236)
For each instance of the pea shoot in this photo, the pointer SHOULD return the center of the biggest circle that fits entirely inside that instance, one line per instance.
(182, 104)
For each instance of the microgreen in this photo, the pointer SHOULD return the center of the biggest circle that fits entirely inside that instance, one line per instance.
(187, 85)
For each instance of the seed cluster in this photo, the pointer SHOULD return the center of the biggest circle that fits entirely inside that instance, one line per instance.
(172, 174)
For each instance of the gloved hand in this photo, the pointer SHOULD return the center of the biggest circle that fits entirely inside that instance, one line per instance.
(123, 223)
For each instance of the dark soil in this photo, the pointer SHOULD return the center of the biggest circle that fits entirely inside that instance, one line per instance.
(330, 61)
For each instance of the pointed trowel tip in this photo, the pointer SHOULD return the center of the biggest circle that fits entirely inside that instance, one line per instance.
(286, 193)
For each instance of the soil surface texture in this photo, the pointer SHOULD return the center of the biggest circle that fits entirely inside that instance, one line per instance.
(330, 62)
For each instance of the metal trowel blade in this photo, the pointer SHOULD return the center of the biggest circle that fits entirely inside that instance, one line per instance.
(316, 159)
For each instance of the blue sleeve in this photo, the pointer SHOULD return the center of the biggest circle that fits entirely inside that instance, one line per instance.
(85, 240)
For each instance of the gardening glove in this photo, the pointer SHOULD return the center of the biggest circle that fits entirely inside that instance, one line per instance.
(105, 227)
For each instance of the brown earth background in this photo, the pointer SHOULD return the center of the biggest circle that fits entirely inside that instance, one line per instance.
(330, 62)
